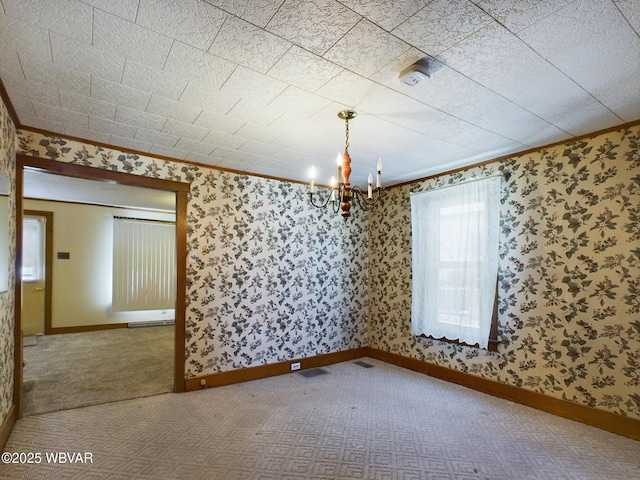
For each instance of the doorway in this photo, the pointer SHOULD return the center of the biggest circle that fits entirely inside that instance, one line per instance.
(179, 189)
(37, 248)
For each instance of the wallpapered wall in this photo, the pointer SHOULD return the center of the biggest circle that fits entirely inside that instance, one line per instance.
(569, 278)
(8, 166)
(269, 278)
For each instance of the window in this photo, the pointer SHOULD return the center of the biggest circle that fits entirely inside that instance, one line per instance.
(144, 265)
(455, 261)
(32, 249)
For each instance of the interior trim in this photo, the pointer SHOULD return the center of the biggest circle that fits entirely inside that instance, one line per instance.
(610, 422)
(48, 133)
(17, 298)
(240, 172)
(519, 154)
(181, 190)
(7, 426)
(48, 267)
(273, 369)
(12, 111)
(618, 424)
(179, 335)
(100, 174)
(85, 328)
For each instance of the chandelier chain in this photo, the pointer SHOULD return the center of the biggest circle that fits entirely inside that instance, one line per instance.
(346, 139)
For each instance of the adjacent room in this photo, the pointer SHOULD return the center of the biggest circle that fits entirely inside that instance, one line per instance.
(99, 326)
(405, 238)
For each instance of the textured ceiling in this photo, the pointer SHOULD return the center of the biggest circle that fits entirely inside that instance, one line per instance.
(256, 86)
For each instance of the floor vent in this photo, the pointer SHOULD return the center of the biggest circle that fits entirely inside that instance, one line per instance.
(363, 364)
(314, 372)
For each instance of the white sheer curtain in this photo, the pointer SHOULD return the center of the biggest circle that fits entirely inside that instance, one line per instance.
(455, 260)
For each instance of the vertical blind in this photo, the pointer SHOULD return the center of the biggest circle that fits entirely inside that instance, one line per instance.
(144, 265)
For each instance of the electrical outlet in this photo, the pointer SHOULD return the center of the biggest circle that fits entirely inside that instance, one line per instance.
(295, 366)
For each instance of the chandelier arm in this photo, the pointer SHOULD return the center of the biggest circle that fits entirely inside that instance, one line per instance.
(320, 205)
(364, 202)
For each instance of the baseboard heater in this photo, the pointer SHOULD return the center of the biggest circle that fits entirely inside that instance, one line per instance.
(154, 323)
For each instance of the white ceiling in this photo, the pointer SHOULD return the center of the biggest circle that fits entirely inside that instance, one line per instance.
(256, 86)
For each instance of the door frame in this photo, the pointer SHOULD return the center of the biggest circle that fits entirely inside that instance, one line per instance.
(181, 190)
(48, 264)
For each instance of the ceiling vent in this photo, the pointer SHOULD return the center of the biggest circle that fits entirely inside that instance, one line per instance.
(419, 71)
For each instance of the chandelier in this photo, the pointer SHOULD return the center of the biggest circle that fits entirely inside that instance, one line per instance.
(342, 194)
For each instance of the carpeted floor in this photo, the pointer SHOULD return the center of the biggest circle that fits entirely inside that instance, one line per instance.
(352, 422)
(79, 369)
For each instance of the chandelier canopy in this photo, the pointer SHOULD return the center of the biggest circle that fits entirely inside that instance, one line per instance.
(342, 194)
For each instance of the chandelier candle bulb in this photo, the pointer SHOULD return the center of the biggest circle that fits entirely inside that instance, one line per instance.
(311, 184)
(378, 174)
(370, 187)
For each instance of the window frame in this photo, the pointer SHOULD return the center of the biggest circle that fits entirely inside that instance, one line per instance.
(433, 254)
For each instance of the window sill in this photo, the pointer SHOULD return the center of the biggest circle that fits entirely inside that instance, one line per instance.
(492, 347)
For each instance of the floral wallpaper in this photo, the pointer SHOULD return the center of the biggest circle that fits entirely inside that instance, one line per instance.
(8, 166)
(569, 277)
(269, 277)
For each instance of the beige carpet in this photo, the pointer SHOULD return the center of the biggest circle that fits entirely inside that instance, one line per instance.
(352, 422)
(79, 369)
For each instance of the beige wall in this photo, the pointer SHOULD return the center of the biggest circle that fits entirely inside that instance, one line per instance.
(81, 293)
